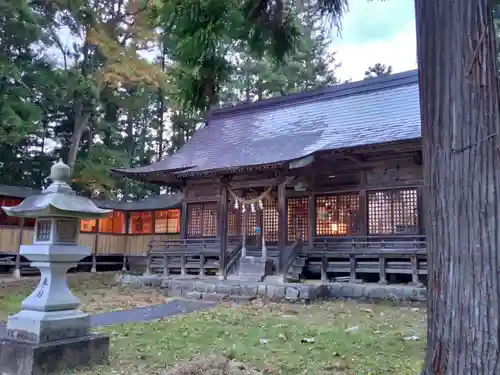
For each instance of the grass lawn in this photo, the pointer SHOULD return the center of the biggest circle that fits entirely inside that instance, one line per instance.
(324, 338)
(97, 295)
(335, 338)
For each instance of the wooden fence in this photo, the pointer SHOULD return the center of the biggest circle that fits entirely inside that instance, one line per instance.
(369, 255)
(100, 243)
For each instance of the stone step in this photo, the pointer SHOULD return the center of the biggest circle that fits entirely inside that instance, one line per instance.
(292, 278)
(245, 277)
(296, 268)
(216, 297)
(300, 262)
(275, 279)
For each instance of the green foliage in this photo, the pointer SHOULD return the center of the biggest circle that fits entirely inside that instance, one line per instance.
(21, 68)
(201, 34)
(311, 66)
(378, 70)
(98, 102)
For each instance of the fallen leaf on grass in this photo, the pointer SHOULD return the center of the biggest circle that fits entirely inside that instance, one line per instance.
(212, 365)
(307, 340)
(354, 329)
(337, 365)
(411, 338)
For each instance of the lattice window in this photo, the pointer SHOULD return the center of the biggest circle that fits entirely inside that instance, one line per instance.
(168, 221)
(251, 221)
(195, 220)
(140, 222)
(298, 218)
(233, 224)
(337, 215)
(113, 223)
(202, 220)
(88, 226)
(270, 217)
(394, 211)
(210, 220)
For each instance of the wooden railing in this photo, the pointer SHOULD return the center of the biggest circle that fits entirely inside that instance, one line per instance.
(381, 255)
(292, 254)
(233, 258)
(183, 256)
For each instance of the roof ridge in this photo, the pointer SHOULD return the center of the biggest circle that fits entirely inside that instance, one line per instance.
(329, 92)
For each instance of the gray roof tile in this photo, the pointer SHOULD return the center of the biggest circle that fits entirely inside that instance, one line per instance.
(374, 111)
(155, 202)
(16, 191)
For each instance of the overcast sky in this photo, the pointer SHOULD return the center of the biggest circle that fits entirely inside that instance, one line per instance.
(376, 32)
(373, 31)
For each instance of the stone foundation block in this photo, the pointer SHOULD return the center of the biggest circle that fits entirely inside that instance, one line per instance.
(214, 297)
(23, 358)
(275, 292)
(194, 295)
(292, 294)
(249, 289)
(262, 290)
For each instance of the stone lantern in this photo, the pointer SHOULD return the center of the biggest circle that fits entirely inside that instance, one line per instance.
(50, 333)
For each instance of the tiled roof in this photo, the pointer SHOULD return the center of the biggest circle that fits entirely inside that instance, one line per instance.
(16, 191)
(156, 202)
(373, 111)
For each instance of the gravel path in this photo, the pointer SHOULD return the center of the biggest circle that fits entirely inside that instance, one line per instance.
(142, 314)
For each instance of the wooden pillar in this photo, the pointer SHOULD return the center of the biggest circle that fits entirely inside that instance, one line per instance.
(222, 229)
(262, 241)
(258, 222)
(126, 214)
(362, 220)
(420, 211)
(244, 232)
(124, 262)
(311, 220)
(17, 267)
(96, 243)
(184, 219)
(282, 222)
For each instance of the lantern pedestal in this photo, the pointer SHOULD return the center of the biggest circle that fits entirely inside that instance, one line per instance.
(51, 311)
(25, 358)
(50, 333)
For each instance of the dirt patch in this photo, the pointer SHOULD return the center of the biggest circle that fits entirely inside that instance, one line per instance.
(212, 365)
(82, 280)
(117, 298)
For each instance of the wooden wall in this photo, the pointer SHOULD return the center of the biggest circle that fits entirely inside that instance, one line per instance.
(107, 244)
(9, 239)
(204, 190)
(363, 173)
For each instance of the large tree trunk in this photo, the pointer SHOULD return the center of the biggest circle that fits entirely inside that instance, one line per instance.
(460, 115)
(81, 122)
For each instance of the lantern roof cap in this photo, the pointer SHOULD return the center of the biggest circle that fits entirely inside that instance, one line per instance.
(58, 199)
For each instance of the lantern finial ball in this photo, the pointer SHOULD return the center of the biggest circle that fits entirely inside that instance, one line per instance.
(60, 172)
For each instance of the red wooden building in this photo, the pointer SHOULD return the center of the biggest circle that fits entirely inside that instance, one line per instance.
(122, 235)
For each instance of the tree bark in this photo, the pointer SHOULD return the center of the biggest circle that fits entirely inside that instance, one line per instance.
(460, 115)
(81, 122)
